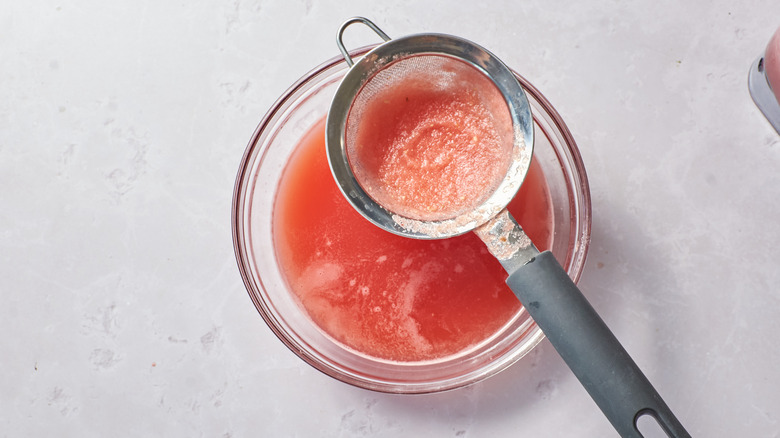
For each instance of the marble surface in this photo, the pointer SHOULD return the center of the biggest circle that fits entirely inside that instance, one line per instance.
(122, 125)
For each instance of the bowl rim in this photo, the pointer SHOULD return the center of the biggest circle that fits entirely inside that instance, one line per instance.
(242, 186)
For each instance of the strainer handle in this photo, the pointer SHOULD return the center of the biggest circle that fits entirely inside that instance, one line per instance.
(353, 20)
(589, 348)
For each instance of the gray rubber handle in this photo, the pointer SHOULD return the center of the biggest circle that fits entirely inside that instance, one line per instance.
(589, 348)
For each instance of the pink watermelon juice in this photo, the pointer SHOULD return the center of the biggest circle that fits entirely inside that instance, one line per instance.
(386, 296)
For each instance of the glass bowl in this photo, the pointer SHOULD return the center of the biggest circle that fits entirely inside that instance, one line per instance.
(277, 135)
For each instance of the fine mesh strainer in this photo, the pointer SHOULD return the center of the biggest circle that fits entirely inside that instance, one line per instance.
(555, 303)
(385, 66)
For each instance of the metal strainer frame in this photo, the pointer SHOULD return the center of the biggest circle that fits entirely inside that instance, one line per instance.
(392, 51)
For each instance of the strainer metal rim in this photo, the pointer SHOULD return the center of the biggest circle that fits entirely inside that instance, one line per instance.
(441, 45)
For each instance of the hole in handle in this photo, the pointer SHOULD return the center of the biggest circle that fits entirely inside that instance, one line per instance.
(648, 425)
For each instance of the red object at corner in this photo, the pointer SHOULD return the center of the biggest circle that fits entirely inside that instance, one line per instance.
(772, 63)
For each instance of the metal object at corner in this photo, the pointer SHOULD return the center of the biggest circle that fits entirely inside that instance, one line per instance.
(762, 94)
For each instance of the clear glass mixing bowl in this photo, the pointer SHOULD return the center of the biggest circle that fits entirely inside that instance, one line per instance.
(275, 138)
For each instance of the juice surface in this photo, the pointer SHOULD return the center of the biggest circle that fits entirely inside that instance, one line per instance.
(384, 295)
(431, 143)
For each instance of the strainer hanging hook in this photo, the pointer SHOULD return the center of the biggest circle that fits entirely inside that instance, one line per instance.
(353, 20)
